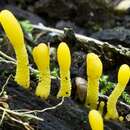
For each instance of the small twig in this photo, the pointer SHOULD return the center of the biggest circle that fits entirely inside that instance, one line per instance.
(7, 57)
(21, 114)
(2, 118)
(46, 109)
(28, 114)
(40, 26)
(120, 102)
(10, 60)
(85, 40)
(25, 124)
(3, 87)
(5, 60)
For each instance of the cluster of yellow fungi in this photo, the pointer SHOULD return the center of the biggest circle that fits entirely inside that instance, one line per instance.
(14, 33)
(42, 59)
(94, 71)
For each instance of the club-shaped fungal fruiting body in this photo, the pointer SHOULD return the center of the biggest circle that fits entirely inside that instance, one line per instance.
(64, 60)
(95, 120)
(42, 60)
(14, 33)
(94, 71)
(123, 79)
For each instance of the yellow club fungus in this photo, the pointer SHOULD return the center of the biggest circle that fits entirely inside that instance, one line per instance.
(42, 60)
(15, 34)
(95, 120)
(94, 71)
(123, 79)
(64, 60)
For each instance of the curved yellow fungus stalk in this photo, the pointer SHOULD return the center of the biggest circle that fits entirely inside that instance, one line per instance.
(94, 71)
(123, 78)
(64, 60)
(14, 33)
(42, 60)
(95, 120)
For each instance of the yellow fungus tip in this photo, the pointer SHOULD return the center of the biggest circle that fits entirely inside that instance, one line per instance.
(41, 55)
(95, 120)
(124, 74)
(12, 28)
(63, 55)
(94, 66)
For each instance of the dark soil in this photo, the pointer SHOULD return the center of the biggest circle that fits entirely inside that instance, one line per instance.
(70, 116)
